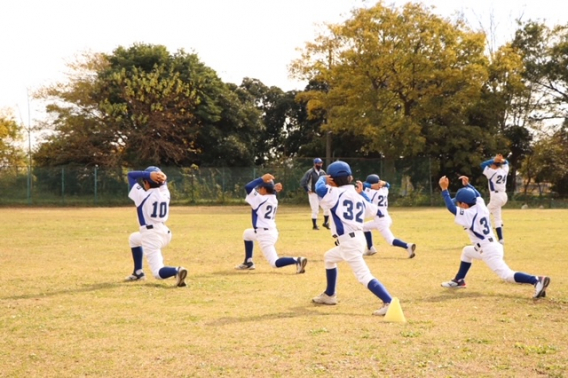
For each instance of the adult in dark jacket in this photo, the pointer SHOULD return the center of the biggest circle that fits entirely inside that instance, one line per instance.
(308, 182)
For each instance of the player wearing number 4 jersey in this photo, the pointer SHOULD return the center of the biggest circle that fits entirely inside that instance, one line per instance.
(349, 207)
(472, 214)
(496, 171)
(261, 196)
(152, 202)
(378, 192)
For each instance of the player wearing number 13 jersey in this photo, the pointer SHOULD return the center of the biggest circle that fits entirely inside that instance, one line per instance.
(152, 200)
(349, 206)
(378, 192)
(472, 214)
(261, 196)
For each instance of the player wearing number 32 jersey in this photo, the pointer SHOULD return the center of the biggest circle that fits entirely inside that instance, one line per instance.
(261, 196)
(152, 200)
(349, 206)
(472, 214)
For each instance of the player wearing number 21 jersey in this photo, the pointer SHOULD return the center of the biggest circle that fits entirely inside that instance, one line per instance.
(152, 200)
(378, 192)
(472, 214)
(261, 196)
(349, 206)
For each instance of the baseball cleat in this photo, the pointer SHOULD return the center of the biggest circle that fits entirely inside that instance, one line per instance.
(370, 252)
(315, 228)
(323, 298)
(453, 284)
(301, 265)
(180, 277)
(245, 266)
(502, 241)
(326, 225)
(136, 277)
(383, 310)
(540, 287)
(410, 249)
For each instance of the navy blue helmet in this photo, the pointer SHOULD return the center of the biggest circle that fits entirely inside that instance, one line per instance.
(339, 169)
(153, 169)
(373, 179)
(466, 195)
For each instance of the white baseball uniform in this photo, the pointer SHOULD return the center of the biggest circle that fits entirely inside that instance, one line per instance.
(348, 210)
(264, 230)
(477, 224)
(153, 211)
(497, 182)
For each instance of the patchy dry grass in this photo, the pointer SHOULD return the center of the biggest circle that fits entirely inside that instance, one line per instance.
(65, 312)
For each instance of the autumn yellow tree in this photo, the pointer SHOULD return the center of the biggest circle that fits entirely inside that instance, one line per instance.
(403, 78)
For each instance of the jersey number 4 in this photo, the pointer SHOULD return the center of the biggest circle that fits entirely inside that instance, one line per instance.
(162, 207)
(348, 214)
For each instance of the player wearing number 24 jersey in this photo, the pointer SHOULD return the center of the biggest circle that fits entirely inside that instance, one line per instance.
(496, 171)
(152, 200)
(472, 214)
(349, 206)
(261, 196)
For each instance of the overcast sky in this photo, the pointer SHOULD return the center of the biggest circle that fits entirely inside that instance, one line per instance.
(236, 38)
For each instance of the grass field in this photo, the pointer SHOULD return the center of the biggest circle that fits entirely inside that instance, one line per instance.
(65, 311)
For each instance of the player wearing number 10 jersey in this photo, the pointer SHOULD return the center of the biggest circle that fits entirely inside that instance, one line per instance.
(261, 196)
(152, 202)
(472, 214)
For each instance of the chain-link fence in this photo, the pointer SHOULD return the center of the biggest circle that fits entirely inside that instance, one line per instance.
(413, 183)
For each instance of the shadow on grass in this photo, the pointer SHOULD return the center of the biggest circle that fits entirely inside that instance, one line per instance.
(293, 313)
(451, 294)
(84, 289)
(96, 287)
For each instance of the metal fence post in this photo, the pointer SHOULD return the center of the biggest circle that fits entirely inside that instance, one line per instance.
(63, 184)
(96, 169)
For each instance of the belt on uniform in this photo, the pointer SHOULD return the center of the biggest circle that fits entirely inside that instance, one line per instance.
(261, 229)
(495, 191)
(149, 226)
(478, 247)
(351, 234)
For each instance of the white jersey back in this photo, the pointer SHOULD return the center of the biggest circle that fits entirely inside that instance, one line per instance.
(497, 178)
(153, 205)
(263, 209)
(379, 198)
(348, 209)
(476, 222)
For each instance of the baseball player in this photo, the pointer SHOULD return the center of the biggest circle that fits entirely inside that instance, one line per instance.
(496, 171)
(308, 182)
(472, 214)
(378, 191)
(261, 196)
(152, 201)
(349, 208)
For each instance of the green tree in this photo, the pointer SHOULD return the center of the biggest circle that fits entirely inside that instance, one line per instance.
(142, 105)
(11, 154)
(405, 80)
